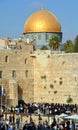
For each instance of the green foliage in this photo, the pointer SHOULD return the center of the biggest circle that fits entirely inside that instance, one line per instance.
(54, 81)
(44, 87)
(51, 86)
(60, 78)
(55, 92)
(69, 100)
(60, 82)
(54, 42)
(76, 44)
(43, 77)
(69, 47)
(44, 48)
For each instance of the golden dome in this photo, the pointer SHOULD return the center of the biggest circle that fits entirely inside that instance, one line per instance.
(42, 21)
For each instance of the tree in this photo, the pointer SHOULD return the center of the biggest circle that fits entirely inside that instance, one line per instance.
(76, 44)
(44, 47)
(69, 47)
(54, 42)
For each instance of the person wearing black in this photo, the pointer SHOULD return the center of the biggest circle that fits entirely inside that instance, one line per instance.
(53, 123)
(32, 126)
(25, 127)
(2, 127)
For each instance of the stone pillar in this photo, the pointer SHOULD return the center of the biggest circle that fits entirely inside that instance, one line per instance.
(13, 93)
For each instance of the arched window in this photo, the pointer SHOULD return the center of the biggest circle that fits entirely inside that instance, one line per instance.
(0, 73)
(26, 61)
(6, 59)
(13, 73)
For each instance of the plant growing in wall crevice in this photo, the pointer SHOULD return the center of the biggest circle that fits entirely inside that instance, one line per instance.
(69, 99)
(60, 82)
(51, 86)
(54, 81)
(60, 78)
(55, 92)
(43, 77)
(44, 87)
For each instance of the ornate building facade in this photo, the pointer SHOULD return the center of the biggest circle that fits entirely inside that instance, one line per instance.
(40, 26)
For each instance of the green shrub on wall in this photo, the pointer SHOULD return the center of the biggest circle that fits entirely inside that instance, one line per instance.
(69, 100)
(60, 82)
(43, 77)
(51, 86)
(55, 92)
(44, 87)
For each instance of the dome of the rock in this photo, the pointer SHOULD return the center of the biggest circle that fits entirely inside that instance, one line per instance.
(40, 26)
(42, 21)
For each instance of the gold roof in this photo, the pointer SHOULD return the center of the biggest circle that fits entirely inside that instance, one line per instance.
(42, 21)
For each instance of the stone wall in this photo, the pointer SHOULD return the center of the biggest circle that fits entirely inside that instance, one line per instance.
(55, 77)
(39, 77)
(19, 86)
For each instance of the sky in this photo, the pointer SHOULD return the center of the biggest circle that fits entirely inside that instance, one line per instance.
(14, 13)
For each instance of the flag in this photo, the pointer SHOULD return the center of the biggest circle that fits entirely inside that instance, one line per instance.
(3, 91)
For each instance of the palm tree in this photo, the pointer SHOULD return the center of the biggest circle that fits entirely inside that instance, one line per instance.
(54, 42)
(68, 47)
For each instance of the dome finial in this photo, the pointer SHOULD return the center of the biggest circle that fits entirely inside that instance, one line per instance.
(42, 6)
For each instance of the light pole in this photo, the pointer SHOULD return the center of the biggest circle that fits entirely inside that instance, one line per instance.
(1, 102)
(2, 95)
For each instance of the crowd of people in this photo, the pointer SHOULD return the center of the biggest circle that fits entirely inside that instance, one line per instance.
(56, 124)
(46, 108)
(40, 109)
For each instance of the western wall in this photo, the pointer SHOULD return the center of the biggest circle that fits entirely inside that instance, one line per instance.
(56, 77)
(40, 76)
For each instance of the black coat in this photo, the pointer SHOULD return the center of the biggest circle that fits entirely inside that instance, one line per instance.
(2, 127)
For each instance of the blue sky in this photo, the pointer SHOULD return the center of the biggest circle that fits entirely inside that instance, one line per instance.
(13, 14)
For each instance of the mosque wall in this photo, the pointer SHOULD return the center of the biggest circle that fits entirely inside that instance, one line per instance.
(40, 76)
(42, 38)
